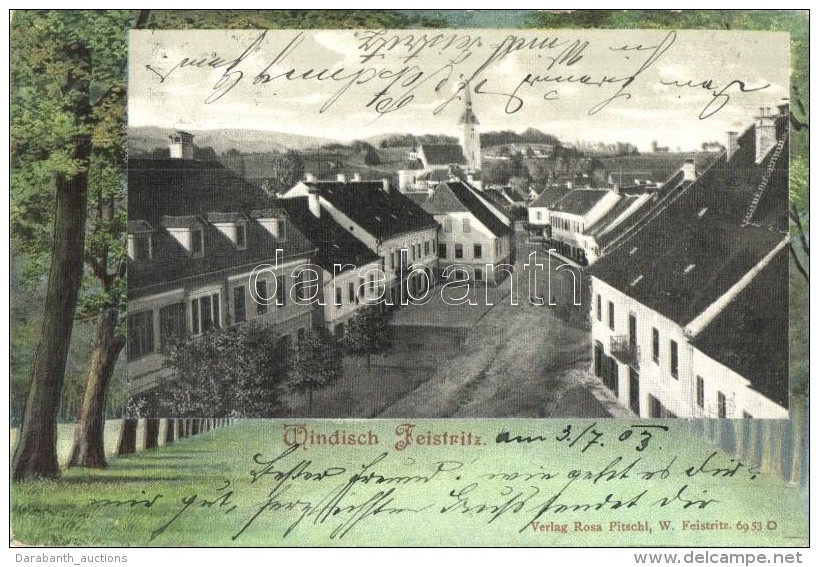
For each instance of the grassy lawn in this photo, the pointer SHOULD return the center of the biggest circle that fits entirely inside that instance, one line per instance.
(201, 491)
(65, 438)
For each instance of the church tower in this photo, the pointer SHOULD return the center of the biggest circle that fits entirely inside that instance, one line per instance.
(470, 137)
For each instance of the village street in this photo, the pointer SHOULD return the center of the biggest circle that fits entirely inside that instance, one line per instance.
(519, 360)
(493, 359)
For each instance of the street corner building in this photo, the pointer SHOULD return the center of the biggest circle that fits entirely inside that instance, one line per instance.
(690, 300)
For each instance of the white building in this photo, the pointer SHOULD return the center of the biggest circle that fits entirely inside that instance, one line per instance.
(400, 232)
(474, 235)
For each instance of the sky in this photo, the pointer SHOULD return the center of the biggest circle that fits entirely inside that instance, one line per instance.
(679, 88)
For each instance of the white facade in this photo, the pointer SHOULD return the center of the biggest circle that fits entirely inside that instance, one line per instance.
(463, 240)
(646, 381)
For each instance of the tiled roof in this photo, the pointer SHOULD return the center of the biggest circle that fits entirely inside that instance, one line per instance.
(578, 201)
(382, 214)
(443, 154)
(701, 225)
(464, 199)
(335, 245)
(549, 196)
(750, 336)
(413, 164)
(181, 192)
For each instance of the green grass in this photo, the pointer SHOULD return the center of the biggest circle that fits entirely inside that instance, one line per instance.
(71, 510)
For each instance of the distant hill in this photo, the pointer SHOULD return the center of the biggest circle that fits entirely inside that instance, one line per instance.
(146, 138)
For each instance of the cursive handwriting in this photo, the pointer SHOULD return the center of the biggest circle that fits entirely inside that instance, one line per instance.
(399, 70)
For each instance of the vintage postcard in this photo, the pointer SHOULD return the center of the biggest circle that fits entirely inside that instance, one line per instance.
(424, 287)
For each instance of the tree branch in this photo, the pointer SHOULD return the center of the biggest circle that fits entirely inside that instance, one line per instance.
(99, 271)
(798, 262)
(794, 214)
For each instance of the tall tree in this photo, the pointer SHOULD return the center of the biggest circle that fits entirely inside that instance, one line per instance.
(50, 58)
(317, 363)
(367, 333)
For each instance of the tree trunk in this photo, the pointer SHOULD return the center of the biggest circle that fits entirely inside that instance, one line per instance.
(127, 436)
(151, 433)
(180, 428)
(89, 433)
(195, 427)
(36, 452)
(170, 430)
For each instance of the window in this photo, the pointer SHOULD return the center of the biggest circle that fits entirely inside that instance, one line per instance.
(140, 334)
(477, 251)
(281, 291)
(197, 243)
(171, 322)
(351, 292)
(413, 252)
(539, 215)
(722, 406)
(142, 247)
(655, 345)
(459, 251)
(700, 392)
(241, 235)
(611, 315)
(447, 225)
(392, 260)
(599, 308)
(426, 248)
(261, 297)
(632, 329)
(205, 313)
(239, 314)
(442, 250)
(338, 297)
(466, 227)
(674, 361)
(478, 274)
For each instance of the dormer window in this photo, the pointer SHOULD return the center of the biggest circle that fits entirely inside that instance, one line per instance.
(273, 221)
(232, 225)
(188, 231)
(140, 241)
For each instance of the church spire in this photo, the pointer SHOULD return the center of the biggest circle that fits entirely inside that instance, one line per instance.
(470, 138)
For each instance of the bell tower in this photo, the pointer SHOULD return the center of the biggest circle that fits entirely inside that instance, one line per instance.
(470, 137)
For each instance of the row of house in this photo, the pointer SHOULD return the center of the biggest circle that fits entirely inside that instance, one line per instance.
(689, 305)
(209, 250)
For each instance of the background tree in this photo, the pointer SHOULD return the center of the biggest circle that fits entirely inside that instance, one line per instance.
(367, 333)
(284, 171)
(234, 372)
(316, 364)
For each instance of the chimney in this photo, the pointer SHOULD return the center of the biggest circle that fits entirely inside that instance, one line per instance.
(181, 145)
(341, 178)
(309, 177)
(356, 177)
(385, 184)
(733, 144)
(765, 129)
(689, 170)
(314, 202)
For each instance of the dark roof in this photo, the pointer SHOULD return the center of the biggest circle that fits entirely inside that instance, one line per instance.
(181, 193)
(413, 164)
(382, 214)
(618, 209)
(443, 201)
(335, 244)
(750, 336)
(435, 175)
(418, 197)
(467, 200)
(578, 201)
(443, 154)
(699, 224)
